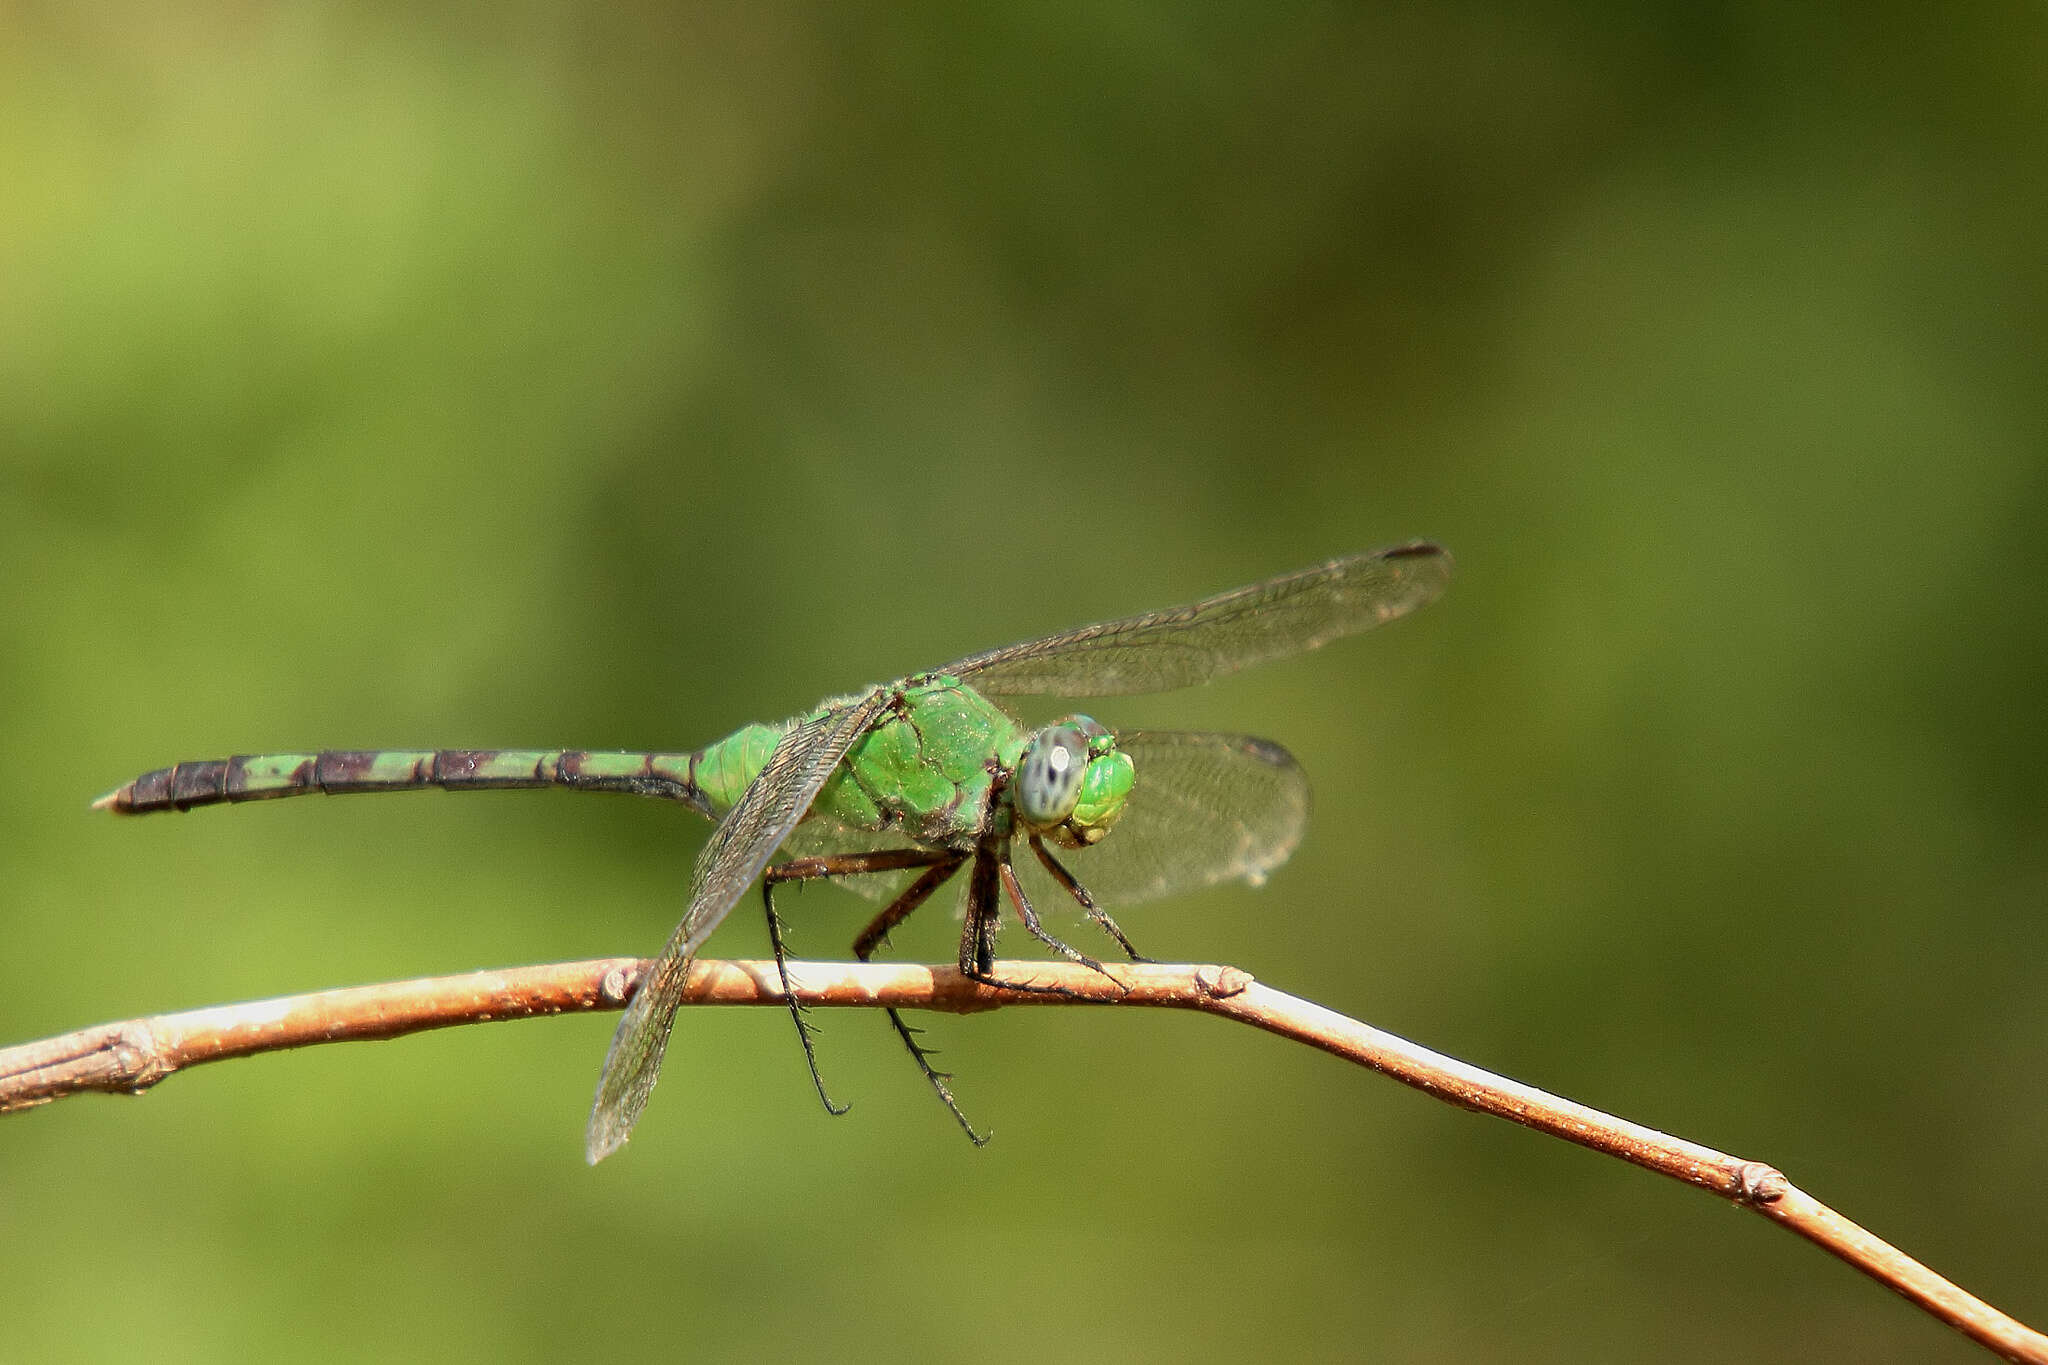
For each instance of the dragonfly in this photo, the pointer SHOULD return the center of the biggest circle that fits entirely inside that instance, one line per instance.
(926, 778)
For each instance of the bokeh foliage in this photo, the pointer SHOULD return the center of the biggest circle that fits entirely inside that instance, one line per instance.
(610, 376)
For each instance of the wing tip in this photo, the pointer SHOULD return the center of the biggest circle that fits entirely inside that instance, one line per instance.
(613, 1113)
(1270, 752)
(1426, 556)
(1416, 549)
(1422, 567)
(601, 1140)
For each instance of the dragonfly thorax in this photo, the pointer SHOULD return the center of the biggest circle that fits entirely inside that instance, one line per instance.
(1071, 782)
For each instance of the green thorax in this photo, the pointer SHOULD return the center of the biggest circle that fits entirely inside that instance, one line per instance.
(925, 768)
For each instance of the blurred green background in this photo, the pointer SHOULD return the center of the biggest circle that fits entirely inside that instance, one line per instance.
(549, 374)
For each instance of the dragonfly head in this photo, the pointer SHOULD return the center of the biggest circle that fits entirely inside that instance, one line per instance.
(1071, 782)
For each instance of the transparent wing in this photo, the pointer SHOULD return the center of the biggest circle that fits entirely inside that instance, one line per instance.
(733, 857)
(1162, 650)
(1204, 809)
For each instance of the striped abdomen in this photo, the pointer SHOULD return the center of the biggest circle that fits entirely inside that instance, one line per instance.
(258, 777)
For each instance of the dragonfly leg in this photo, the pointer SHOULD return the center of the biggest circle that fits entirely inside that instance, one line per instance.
(859, 864)
(1025, 912)
(843, 865)
(898, 910)
(978, 931)
(872, 937)
(1087, 902)
(985, 920)
(796, 1009)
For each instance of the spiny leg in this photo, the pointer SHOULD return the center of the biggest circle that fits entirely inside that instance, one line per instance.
(898, 910)
(1087, 902)
(1029, 915)
(796, 1009)
(872, 937)
(842, 865)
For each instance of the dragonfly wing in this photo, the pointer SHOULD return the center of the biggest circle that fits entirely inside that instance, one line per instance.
(738, 849)
(1163, 650)
(1204, 809)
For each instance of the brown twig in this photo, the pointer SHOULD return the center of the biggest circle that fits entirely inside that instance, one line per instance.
(130, 1057)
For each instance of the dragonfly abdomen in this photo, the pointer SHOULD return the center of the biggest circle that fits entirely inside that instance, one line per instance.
(261, 777)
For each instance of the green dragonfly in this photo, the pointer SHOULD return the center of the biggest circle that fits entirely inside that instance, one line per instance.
(926, 776)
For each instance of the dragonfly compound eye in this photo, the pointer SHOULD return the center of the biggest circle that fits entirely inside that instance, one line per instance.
(1048, 783)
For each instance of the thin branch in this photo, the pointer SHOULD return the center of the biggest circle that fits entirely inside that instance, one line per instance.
(132, 1056)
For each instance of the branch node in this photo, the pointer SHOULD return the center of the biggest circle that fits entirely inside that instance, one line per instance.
(139, 1055)
(612, 989)
(1757, 1183)
(1220, 983)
